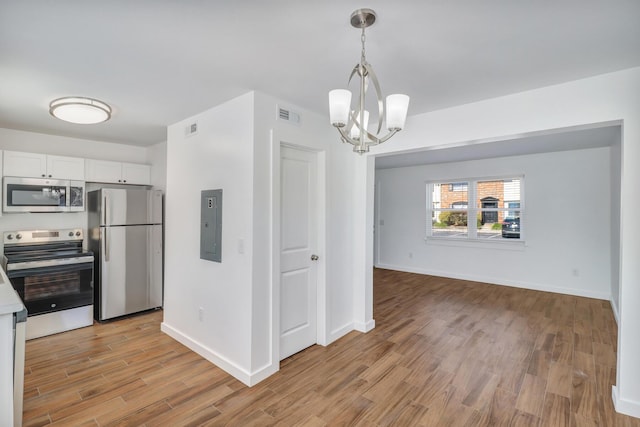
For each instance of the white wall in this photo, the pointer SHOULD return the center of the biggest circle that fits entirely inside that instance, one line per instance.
(156, 156)
(236, 149)
(610, 97)
(32, 142)
(567, 224)
(219, 156)
(616, 179)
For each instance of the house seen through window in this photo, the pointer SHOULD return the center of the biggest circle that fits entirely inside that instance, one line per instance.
(495, 205)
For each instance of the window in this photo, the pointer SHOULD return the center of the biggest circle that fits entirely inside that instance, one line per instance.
(496, 204)
(458, 186)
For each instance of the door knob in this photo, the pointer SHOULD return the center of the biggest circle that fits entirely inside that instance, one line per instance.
(314, 257)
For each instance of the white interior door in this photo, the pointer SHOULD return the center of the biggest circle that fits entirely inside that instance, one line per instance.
(298, 241)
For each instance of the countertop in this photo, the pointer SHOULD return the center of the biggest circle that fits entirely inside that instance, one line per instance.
(10, 302)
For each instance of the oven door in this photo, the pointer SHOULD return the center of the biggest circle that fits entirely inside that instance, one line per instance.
(35, 195)
(54, 288)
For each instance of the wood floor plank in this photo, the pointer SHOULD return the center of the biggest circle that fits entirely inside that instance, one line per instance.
(556, 411)
(531, 397)
(444, 352)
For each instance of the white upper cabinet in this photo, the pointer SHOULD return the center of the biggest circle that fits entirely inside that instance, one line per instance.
(133, 173)
(34, 165)
(65, 167)
(117, 172)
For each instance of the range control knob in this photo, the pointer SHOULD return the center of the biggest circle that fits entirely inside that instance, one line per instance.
(78, 233)
(18, 236)
(9, 236)
(71, 234)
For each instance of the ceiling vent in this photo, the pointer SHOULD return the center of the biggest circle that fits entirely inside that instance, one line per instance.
(287, 115)
(191, 129)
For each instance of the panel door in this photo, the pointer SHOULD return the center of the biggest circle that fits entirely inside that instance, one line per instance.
(133, 173)
(298, 240)
(103, 171)
(125, 281)
(29, 165)
(62, 167)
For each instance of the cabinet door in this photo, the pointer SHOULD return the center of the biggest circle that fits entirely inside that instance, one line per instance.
(65, 167)
(133, 173)
(103, 171)
(30, 165)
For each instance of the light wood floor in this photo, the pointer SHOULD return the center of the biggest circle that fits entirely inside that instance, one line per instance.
(444, 353)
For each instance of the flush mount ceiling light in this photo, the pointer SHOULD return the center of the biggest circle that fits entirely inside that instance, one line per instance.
(80, 110)
(352, 122)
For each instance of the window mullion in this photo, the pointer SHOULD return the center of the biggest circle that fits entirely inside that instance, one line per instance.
(472, 213)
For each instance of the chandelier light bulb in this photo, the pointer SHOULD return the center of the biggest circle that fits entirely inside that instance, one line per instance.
(397, 106)
(339, 107)
(354, 133)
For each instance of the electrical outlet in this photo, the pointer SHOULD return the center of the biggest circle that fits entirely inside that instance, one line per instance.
(201, 314)
(410, 254)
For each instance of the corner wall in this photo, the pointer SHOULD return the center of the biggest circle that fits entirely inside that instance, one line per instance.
(234, 149)
(218, 156)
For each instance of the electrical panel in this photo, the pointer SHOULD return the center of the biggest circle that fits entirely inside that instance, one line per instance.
(211, 225)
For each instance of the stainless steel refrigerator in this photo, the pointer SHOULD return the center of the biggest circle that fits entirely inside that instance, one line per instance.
(125, 235)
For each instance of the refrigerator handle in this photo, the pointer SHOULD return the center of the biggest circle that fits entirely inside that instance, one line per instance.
(104, 210)
(106, 244)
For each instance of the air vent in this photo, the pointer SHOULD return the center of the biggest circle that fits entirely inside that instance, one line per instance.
(286, 115)
(191, 129)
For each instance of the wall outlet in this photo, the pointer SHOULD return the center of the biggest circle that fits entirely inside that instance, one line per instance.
(575, 272)
(200, 314)
(410, 254)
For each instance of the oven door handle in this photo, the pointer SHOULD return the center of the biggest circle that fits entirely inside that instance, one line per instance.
(30, 265)
(63, 268)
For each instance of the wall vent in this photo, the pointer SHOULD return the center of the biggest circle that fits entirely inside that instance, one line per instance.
(191, 129)
(287, 115)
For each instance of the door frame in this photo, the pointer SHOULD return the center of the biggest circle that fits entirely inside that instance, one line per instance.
(281, 138)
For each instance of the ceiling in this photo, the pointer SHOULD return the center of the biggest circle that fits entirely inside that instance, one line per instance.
(157, 62)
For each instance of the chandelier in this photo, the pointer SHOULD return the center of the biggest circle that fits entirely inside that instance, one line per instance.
(352, 123)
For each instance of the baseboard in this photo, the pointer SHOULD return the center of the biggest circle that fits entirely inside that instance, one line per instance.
(364, 327)
(340, 332)
(614, 308)
(625, 407)
(494, 281)
(248, 378)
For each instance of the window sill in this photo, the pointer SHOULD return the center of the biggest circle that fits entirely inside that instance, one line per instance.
(507, 245)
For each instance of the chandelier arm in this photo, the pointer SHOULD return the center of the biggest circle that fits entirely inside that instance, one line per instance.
(376, 85)
(377, 141)
(353, 72)
(346, 138)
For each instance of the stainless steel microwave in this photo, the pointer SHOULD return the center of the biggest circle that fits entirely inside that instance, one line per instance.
(42, 195)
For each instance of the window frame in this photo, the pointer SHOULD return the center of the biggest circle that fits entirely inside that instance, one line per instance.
(473, 210)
